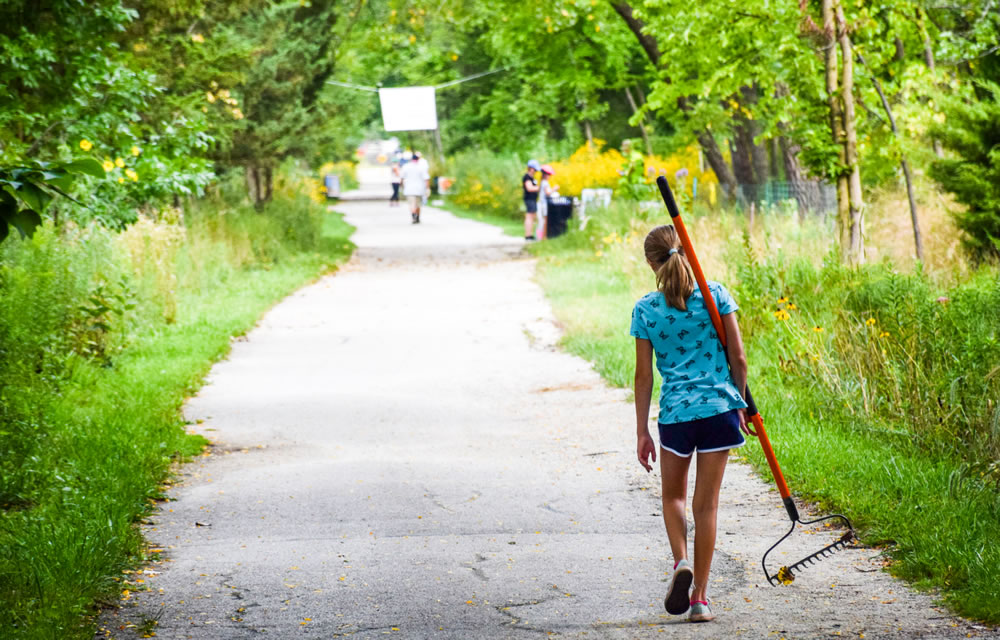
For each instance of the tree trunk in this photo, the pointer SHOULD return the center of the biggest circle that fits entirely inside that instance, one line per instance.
(758, 150)
(836, 128)
(642, 124)
(740, 150)
(773, 158)
(914, 218)
(587, 132)
(801, 188)
(715, 159)
(857, 209)
(253, 184)
(268, 184)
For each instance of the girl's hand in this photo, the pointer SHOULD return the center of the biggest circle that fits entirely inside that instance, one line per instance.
(646, 449)
(743, 422)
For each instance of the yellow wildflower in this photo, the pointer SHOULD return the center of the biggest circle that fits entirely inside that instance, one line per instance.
(197, 37)
(782, 300)
(132, 174)
(86, 145)
(792, 306)
(238, 114)
(818, 329)
(108, 164)
(413, 38)
(883, 334)
(121, 180)
(870, 322)
(454, 57)
(210, 96)
(781, 314)
(119, 163)
(136, 151)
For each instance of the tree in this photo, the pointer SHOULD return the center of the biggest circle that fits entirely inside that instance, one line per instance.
(972, 132)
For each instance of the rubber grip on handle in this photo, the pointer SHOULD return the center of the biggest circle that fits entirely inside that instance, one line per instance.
(668, 197)
(751, 405)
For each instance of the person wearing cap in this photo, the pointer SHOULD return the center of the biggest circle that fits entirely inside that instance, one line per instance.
(545, 191)
(416, 182)
(530, 189)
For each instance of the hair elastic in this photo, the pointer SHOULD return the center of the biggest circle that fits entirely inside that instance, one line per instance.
(671, 252)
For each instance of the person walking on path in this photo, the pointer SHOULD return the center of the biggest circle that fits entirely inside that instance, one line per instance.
(426, 166)
(530, 189)
(545, 191)
(701, 407)
(397, 180)
(416, 182)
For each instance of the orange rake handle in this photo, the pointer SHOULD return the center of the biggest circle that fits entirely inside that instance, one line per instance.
(752, 413)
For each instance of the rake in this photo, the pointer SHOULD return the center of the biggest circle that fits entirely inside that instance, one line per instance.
(786, 574)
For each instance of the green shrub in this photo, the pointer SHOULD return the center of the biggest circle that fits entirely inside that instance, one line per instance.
(102, 336)
(972, 131)
(488, 182)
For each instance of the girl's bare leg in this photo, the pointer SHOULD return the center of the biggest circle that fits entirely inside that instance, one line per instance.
(673, 476)
(529, 224)
(705, 506)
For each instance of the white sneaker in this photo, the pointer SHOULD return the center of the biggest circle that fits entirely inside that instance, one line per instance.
(678, 600)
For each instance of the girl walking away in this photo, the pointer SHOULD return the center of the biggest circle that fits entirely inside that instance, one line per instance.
(701, 407)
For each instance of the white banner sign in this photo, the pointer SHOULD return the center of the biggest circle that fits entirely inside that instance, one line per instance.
(408, 108)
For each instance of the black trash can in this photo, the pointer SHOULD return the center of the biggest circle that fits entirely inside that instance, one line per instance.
(559, 212)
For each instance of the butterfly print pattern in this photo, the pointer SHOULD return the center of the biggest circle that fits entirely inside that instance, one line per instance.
(696, 383)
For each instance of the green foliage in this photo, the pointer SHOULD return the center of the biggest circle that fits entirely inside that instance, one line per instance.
(488, 182)
(972, 131)
(93, 371)
(26, 191)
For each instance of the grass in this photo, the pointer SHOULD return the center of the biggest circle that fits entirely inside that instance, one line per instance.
(115, 430)
(936, 523)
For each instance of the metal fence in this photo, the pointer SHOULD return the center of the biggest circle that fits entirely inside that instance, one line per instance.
(812, 196)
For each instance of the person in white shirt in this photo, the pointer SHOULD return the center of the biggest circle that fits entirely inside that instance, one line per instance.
(416, 183)
(426, 166)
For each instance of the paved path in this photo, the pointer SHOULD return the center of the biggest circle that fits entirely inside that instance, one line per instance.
(401, 450)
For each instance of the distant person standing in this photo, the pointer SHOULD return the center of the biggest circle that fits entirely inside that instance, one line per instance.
(545, 191)
(397, 181)
(416, 182)
(530, 189)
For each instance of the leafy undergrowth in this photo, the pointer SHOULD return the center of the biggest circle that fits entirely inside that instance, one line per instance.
(91, 409)
(880, 398)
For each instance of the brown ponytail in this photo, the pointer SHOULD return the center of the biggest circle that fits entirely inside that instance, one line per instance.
(674, 277)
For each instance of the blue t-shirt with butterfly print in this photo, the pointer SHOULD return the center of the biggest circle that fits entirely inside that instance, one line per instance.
(689, 356)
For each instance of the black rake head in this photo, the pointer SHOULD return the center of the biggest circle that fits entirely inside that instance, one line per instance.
(786, 574)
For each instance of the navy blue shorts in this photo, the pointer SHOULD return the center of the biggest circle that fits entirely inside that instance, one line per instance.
(716, 433)
(531, 206)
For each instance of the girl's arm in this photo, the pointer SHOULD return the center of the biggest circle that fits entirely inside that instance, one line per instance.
(643, 392)
(737, 360)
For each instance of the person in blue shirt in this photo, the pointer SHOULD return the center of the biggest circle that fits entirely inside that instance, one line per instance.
(701, 407)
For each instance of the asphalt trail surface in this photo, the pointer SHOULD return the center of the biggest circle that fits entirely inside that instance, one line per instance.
(401, 449)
